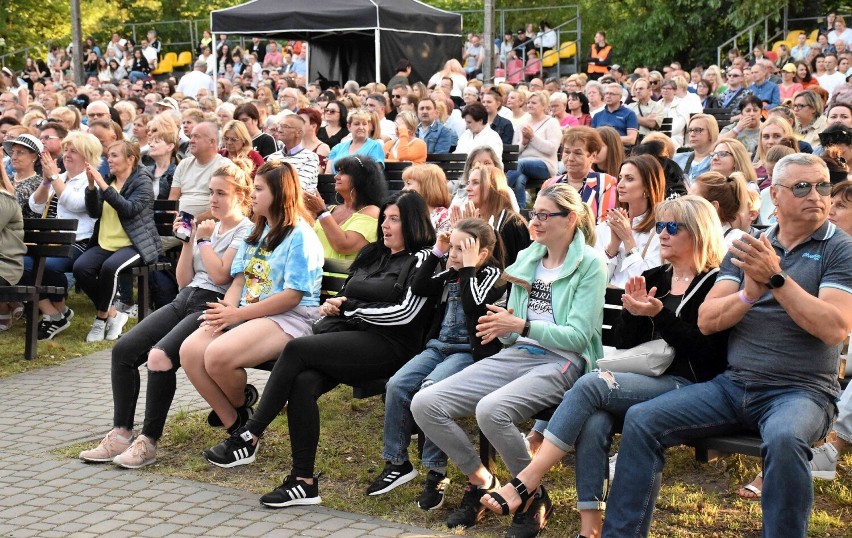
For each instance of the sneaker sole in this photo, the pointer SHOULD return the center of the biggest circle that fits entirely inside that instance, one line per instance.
(404, 479)
(294, 502)
(244, 461)
(96, 460)
(824, 475)
(126, 466)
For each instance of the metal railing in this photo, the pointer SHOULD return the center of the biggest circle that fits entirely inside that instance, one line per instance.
(758, 29)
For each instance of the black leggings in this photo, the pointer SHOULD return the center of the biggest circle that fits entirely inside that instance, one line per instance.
(96, 272)
(165, 329)
(311, 366)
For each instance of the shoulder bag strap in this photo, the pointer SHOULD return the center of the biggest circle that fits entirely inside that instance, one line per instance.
(695, 289)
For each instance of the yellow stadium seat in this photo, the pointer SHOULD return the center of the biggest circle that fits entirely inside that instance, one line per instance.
(793, 36)
(164, 67)
(568, 49)
(170, 57)
(551, 58)
(184, 59)
(814, 35)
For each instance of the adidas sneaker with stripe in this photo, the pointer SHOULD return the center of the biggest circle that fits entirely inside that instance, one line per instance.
(293, 492)
(233, 451)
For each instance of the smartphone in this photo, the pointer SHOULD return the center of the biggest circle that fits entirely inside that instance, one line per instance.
(185, 229)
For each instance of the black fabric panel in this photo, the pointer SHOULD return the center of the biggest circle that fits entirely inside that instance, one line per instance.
(408, 14)
(267, 16)
(343, 57)
(427, 53)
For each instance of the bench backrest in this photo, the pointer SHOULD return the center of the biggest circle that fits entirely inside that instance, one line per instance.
(334, 275)
(48, 238)
(165, 212)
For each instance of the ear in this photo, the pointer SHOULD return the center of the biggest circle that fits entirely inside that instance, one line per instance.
(484, 253)
(572, 220)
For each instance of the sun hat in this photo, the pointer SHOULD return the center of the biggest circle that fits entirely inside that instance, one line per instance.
(28, 141)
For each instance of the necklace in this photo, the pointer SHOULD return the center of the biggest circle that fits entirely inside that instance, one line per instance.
(682, 278)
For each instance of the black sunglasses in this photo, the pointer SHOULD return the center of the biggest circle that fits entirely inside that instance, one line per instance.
(670, 226)
(803, 188)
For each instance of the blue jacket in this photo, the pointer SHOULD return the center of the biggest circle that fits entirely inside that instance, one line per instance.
(767, 92)
(439, 139)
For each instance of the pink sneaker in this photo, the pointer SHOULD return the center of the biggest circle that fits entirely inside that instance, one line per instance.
(111, 446)
(141, 452)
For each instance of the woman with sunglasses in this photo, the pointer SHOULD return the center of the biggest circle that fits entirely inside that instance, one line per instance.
(662, 303)
(334, 130)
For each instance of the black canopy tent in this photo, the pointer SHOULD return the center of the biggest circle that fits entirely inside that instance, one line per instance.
(352, 39)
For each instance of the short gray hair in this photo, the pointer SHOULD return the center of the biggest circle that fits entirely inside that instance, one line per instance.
(594, 84)
(800, 159)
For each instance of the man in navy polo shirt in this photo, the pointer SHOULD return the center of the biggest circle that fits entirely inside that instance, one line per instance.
(617, 116)
(786, 297)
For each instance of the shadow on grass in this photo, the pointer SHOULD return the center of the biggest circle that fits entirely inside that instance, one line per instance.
(69, 344)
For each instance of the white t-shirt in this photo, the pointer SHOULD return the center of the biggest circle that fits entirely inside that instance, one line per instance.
(540, 306)
(193, 180)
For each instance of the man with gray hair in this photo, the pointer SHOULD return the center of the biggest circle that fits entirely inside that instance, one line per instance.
(191, 183)
(786, 298)
(291, 128)
(195, 80)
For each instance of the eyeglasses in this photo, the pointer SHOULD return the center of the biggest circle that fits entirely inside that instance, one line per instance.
(46, 138)
(803, 188)
(669, 226)
(543, 215)
(721, 154)
(696, 130)
(799, 106)
(734, 75)
(396, 96)
(230, 139)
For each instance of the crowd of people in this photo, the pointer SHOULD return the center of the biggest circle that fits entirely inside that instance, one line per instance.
(476, 297)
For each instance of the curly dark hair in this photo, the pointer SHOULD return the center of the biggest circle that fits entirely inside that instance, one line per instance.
(368, 180)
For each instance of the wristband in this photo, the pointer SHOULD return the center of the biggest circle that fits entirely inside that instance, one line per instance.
(323, 214)
(735, 131)
(437, 252)
(321, 211)
(200, 242)
(46, 183)
(745, 299)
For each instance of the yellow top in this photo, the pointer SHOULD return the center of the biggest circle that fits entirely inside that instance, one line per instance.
(111, 234)
(359, 223)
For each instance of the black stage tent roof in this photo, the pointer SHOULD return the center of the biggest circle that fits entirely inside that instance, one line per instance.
(352, 39)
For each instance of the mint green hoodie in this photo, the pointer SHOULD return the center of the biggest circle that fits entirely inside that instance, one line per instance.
(578, 299)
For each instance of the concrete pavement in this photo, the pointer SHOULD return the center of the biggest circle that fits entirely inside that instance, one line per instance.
(45, 496)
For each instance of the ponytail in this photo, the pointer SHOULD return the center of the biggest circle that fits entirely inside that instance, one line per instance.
(586, 223)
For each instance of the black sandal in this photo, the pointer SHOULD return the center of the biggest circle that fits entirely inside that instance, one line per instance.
(520, 489)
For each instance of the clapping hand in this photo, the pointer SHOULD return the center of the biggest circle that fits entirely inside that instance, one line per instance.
(48, 166)
(498, 322)
(638, 300)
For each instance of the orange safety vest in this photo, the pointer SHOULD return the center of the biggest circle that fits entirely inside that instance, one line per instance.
(596, 54)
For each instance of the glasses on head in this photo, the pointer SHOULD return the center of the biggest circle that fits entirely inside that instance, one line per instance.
(695, 130)
(671, 227)
(544, 215)
(803, 188)
(799, 106)
(721, 154)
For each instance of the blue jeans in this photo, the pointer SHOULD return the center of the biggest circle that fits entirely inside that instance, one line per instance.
(585, 419)
(438, 361)
(528, 169)
(789, 420)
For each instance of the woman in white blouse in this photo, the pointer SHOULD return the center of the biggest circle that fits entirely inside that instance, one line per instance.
(627, 236)
(539, 141)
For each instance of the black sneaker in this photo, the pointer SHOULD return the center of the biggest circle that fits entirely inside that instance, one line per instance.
(293, 492)
(243, 414)
(471, 510)
(68, 314)
(233, 451)
(434, 489)
(531, 522)
(392, 477)
(48, 328)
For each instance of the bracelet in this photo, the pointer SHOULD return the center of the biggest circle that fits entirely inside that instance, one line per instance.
(46, 182)
(745, 299)
(321, 211)
(200, 242)
(735, 131)
(323, 214)
(437, 252)
(610, 256)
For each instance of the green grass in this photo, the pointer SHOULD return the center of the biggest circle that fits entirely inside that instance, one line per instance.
(697, 500)
(69, 344)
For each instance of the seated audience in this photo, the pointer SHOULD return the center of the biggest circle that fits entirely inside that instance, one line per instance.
(539, 142)
(478, 132)
(334, 130)
(406, 147)
(203, 272)
(729, 196)
(702, 132)
(430, 182)
(361, 127)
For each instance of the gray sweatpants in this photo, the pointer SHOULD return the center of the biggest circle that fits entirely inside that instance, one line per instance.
(503, 390)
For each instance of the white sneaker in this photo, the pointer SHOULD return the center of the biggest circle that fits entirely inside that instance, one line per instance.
(824, 462)
(97, 332)
(612, 462)
(115, 324)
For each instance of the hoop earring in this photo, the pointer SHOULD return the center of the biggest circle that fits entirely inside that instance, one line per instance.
(336, 195)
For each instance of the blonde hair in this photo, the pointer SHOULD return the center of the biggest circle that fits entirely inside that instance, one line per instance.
(369, 117)
(729, 192)
(238, 174)
(86, 145)
(433, 183)
(568, 198)
(742, 161)
(701, 222)
(665, 140)
(240, 131)
(710, 121)
(409, 118)
(785, 127)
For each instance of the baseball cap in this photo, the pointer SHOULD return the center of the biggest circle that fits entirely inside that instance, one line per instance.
(788, 67)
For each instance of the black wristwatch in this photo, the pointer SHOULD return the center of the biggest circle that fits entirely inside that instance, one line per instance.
(777, 280)
(526, 331)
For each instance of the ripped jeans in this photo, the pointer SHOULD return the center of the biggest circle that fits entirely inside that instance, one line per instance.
(586, 419)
